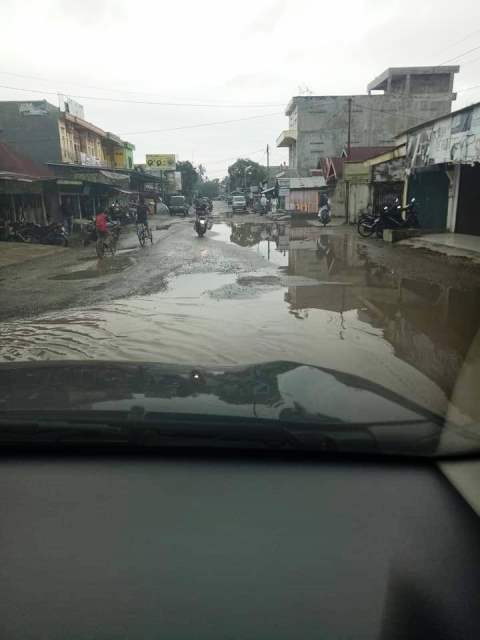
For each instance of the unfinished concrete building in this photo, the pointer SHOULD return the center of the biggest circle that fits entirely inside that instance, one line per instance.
(399, 98)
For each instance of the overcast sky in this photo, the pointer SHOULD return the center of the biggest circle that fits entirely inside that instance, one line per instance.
(247, 54)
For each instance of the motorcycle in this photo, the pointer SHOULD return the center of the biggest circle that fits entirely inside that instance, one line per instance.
(201, 225)
(324, 215)
(53, 233)
(390, 218)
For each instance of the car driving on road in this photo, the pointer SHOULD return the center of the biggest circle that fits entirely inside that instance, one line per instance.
(178, 204)
(239, 203)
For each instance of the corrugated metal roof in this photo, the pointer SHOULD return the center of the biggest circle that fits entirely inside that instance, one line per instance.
(312, 182)
(13, 162)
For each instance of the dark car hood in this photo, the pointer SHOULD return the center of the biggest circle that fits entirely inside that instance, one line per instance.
(289, 393)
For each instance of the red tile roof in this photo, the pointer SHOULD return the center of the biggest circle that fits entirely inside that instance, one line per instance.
(13, 162)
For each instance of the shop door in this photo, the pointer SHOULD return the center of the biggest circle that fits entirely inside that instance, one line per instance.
(468, 208)
(384, 194)
(430, 190)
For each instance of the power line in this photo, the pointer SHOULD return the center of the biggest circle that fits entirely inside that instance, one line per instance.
(202, 124)
(239, 155)
(470, 61)
(126, 101)
(126, 91)
(453, 44)
(460, 55)
(475, 86)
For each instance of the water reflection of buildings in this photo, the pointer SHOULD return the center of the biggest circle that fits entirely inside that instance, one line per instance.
(429, 325)
(270, 239)
(331, 261)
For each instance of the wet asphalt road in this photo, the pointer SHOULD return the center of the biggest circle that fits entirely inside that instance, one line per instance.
(251, 291)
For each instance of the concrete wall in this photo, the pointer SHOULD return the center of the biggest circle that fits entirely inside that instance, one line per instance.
(358, 199)
(336, 195)
(322, 122)
(31, 131)
(389, 171)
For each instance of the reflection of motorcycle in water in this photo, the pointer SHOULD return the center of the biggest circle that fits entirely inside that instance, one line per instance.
(201, 225)
(325, 250)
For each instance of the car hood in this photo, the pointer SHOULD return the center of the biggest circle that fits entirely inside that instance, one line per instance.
(287, 392)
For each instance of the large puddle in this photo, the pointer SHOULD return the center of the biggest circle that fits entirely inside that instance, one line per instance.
(322, 302)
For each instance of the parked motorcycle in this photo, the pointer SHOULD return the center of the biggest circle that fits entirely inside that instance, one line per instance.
(53, 233)
(390, 218)
(201, 225)
(368, 224)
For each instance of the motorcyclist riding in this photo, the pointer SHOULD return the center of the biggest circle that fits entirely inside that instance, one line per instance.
(201, 207)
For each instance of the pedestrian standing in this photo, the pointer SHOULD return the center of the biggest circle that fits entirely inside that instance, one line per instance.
(263, 203)
(274, 205)
(67, 215)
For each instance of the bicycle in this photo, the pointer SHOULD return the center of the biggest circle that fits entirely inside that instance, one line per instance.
(144, 232)
(108, 243)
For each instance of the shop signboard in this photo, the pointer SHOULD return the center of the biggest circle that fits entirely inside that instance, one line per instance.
(162, 161)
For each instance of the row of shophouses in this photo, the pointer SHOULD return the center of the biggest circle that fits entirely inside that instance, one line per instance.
(437, 163)
(405, 142)
(52, 155)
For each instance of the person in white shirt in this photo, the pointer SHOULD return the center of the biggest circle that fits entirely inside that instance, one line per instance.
(263, 203)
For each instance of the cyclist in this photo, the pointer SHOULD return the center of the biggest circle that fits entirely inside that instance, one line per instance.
(101, 225)
(142, 213)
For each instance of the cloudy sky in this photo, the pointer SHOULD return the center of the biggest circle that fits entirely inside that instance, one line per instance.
(151, 71)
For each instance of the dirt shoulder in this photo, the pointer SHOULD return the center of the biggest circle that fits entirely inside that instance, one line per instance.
(55, 278)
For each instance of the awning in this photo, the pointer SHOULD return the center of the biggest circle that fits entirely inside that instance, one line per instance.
(118, 177)
(125, 191)
(17, 177)
(75, 183)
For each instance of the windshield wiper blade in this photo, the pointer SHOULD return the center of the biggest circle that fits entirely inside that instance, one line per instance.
(153, 429)
(173, 430)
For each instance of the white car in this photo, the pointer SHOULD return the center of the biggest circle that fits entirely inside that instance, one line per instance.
(239, 203)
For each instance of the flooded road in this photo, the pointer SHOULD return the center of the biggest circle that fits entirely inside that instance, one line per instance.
(263, 291)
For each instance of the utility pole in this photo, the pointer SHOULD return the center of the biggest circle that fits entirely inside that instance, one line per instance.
(268, 161)
(349, 128)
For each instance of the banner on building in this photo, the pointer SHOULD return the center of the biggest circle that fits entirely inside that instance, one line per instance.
(162, 161)
(68, 105)
(33, 108)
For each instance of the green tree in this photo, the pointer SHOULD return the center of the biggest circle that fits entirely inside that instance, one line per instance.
(190, 178)
(245, 172)
(209, 188)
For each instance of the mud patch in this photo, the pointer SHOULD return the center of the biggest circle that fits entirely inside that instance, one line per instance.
(99, 269)
(246, 287)
(232, 292)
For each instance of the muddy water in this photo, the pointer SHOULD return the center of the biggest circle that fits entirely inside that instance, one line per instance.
(320, 299)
